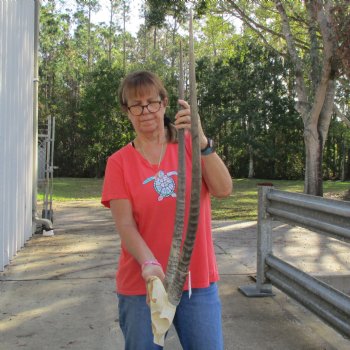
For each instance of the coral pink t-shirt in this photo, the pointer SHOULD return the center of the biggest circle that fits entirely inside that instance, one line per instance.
(153, 199)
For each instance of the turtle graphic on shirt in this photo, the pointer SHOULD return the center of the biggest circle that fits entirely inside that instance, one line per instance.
(164, 184)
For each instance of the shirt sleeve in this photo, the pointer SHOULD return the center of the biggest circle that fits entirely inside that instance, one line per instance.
(114, 186)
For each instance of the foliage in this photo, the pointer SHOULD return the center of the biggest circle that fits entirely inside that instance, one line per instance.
(245, 88)
(156, 11)
(102, 124)
(244, 101)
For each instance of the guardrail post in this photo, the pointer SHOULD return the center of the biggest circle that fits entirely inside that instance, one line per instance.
(262, 287)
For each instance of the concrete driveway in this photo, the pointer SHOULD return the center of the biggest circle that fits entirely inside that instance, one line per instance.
(58, 292)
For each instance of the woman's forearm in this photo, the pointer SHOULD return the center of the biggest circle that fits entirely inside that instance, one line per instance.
(129, 234)
(135, 245)
(216, 176)
(132, 240)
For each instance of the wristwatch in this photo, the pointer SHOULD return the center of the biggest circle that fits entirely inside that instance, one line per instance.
(209, 148)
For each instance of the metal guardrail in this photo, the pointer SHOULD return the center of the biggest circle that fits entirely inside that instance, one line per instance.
(324, 216)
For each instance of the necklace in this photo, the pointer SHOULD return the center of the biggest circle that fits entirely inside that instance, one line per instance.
(160, 156)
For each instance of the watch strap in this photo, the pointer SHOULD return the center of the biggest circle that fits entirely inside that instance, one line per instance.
(209, 148)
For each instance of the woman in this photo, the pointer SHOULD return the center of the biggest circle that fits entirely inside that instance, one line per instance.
(144, 214)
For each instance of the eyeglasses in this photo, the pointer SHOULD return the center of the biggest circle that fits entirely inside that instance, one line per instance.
(152, 107)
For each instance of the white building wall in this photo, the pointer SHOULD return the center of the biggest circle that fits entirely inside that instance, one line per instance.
(16, 125)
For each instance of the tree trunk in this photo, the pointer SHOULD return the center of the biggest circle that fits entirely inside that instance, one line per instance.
(251, 163)
(313, 161)
(124, 37)
(343, 161)
(155, 38)
(110, 34)
(89, 39)
(316, 111)
(173, 54)
(347, 167)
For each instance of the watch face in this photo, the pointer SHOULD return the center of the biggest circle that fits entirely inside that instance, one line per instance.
(209, 148)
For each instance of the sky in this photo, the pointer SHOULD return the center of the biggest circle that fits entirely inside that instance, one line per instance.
(134, 22)
(132, 25)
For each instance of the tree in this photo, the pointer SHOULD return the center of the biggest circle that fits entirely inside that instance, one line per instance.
(126, 9)
(311, 45)
(156, 12)
(103, 126)
(121, 7)
(88, 7)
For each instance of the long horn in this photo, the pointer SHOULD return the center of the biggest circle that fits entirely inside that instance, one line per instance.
(180, 196)
(175, 289)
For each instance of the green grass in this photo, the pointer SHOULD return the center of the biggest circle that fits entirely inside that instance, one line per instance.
(75, 189)
(241, 205)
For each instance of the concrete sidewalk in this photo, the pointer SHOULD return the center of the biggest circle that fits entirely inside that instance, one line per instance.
(58, 292)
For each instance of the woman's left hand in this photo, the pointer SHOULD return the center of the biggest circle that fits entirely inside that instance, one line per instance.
(183, 121)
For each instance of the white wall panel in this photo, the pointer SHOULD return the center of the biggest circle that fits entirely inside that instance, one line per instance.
(16, 125)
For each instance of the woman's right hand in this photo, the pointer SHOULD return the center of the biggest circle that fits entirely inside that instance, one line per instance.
(152, 270)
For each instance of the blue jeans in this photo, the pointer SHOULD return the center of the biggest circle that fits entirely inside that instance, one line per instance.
(197, 321)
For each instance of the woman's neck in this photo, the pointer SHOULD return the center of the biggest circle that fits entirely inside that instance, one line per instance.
(155, 138)
(150, 148)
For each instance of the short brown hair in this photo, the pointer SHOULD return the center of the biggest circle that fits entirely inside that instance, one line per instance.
(139, 82)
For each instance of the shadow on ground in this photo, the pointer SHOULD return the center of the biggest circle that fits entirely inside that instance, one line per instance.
(58, 292)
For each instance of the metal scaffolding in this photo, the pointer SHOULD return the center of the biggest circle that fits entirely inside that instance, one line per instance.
(46, 140)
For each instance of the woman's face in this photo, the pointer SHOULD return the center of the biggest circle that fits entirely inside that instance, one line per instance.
(146, 111)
